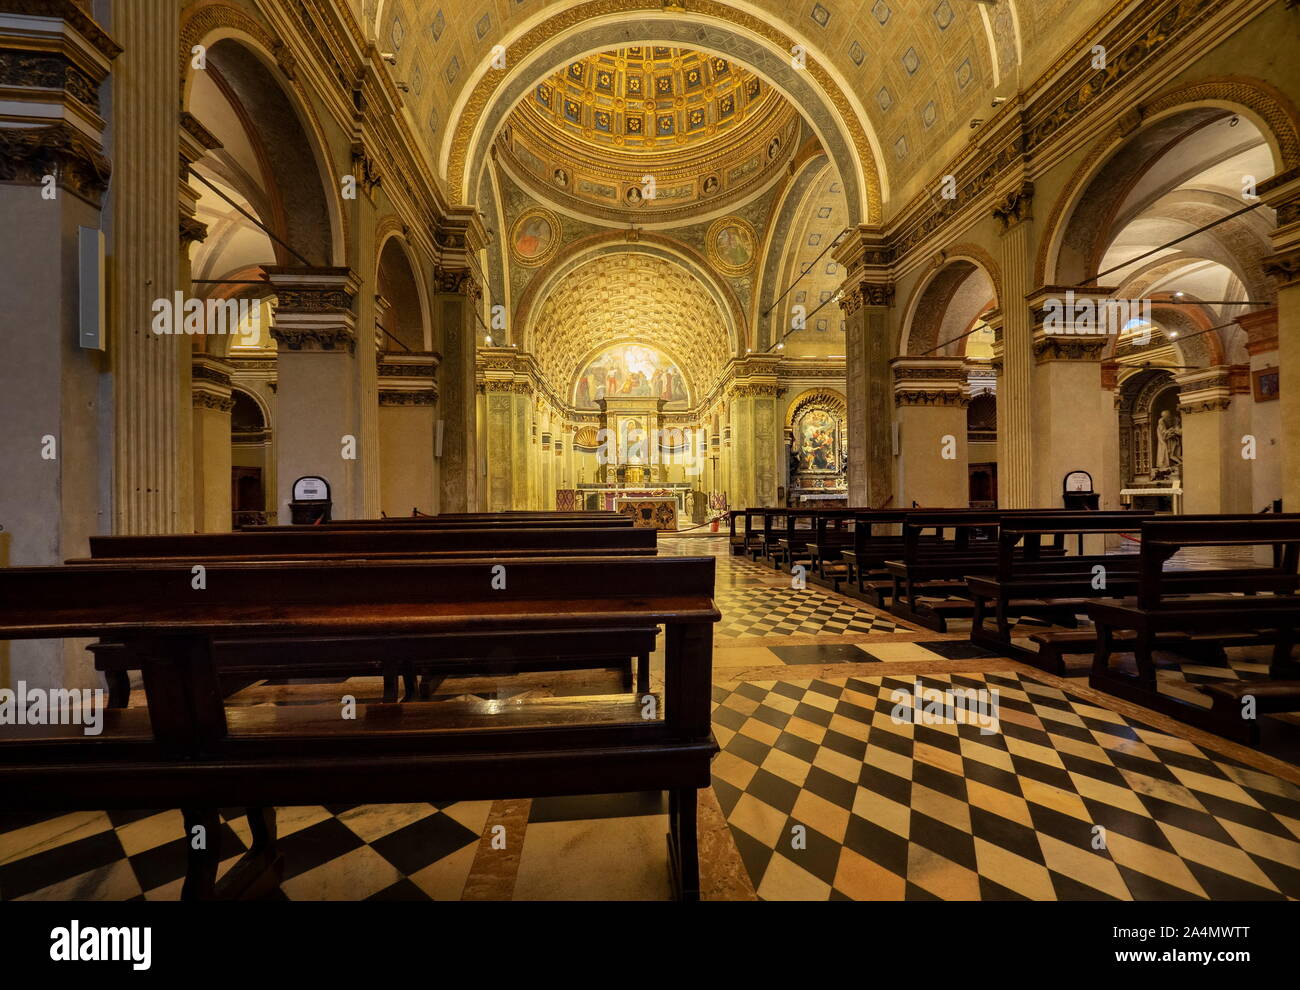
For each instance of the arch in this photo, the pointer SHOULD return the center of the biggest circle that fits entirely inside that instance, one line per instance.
(956, 292)
(805, 171)
(811, 397)
(1164, 119)
(579, 252)
(391, 232)
(708, 26)
(216, 24)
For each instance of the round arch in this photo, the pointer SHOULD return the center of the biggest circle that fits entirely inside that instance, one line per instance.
(1164, 118)
(213, 24)
(709, 26)
(928, 307)
(579, 252)
(390, 231)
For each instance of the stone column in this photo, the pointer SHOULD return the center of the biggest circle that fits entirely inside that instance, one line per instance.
(866, 298)
(205, 377)
(1071, 414)
(1260, 327)
(58, 420)
(317, 409)
(1214, 476)
(150, 395)
(1015, 382)
(408, 400)
(1282, 193)
(931, 400)
(755, 433)
(457, 294)
(212, 402)
(507, 394)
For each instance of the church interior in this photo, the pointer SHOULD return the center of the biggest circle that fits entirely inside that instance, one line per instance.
(633, 450)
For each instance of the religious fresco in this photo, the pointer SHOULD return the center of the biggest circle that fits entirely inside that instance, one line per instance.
(731, 245)
(535, 237)
(635, 370)
(816, 442)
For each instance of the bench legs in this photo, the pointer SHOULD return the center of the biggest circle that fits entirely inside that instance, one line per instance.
(256, 875)
(683, 848)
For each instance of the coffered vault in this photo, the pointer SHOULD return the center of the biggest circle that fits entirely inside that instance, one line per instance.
(895, 82)
(629, 297)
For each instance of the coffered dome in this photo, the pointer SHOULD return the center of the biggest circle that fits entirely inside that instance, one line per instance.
(705, 129)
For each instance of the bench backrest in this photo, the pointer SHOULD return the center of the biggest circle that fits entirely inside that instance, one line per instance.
(1162, 538)
(327, 541)
(79, 599)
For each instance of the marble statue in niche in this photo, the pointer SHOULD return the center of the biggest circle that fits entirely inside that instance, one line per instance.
(1169, 444)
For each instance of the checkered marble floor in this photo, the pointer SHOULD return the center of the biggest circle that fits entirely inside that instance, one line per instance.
(804, 684)
(787, 612)
(829, 797)
(380, 852)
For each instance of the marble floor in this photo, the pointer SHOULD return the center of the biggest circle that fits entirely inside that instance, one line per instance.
(841, 775)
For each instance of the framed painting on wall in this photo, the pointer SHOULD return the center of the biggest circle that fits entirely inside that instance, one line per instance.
(1266, 383)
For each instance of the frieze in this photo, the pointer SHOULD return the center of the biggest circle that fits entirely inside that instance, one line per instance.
(28, 154)
(47, 70)
(309, 299)
(914, 373)
(315, 339)
(1057, 347)
(930, 397)
(207, 400)
(1206, 405)
(72, 13)
(1284, 268)
(406, 370)
(408, 397)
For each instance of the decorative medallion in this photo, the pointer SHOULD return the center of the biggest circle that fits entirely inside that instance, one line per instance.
(535, 237)
(731, 242)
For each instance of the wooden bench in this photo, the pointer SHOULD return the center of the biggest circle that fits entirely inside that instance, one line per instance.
(1026, 580)
(189, 750)
(315, 543)
(743, 541)
(405, 523)
(1166, 602)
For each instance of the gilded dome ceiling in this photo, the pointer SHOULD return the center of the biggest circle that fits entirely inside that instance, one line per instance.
(649, 99)
(705, 129)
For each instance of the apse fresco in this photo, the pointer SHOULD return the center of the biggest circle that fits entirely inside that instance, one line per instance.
(630, 370)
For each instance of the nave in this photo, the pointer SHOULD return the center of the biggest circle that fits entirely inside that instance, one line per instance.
(803, 684)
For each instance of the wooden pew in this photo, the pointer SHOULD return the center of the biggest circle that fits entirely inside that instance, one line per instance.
(1026, 580)
(943, 565)
(314, 543)
(189, 750)
(433, 522)
(742, 542)
(1167, 602)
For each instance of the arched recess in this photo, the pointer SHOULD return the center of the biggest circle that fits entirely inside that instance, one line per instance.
(946, 303)
(816, 442)
(708, 26)
(403, 320)
(583, 250)
(1083, 218)
(258, 78)
(252, 458)
(628, 296)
